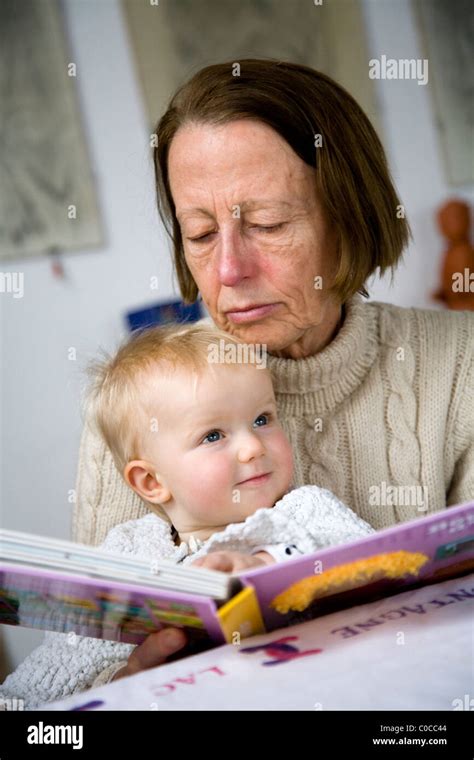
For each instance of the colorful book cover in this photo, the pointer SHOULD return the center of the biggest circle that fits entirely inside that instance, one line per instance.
(425, 550)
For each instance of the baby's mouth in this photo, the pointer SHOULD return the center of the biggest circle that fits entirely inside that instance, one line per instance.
(256, 480)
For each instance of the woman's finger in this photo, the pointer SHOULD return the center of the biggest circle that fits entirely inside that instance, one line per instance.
(156, 648)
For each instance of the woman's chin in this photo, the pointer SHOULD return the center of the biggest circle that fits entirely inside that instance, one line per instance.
(261, 332)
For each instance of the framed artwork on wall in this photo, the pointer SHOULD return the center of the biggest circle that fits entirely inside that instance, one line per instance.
(173, 39)
(447, 38)
(47, 196)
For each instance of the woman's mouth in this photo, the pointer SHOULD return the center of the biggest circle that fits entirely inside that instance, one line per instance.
(251, 314)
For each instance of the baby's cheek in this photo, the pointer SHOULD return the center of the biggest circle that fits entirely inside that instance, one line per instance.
(211, 486)
(283, 453)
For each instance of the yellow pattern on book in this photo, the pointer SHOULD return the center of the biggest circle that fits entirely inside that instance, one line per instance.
(349, 576)
(241, 615)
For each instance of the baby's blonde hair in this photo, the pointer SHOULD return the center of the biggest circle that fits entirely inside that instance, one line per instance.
(116, 403)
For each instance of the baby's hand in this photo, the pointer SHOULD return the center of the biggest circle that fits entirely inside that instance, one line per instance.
(233, 562)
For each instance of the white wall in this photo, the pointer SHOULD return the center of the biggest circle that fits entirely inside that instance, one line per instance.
(41, 387)
(412, 143)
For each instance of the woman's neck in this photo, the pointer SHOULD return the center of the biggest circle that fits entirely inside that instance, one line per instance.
(315, 339)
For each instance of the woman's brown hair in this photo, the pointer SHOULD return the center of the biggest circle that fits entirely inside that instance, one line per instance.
(352, 177)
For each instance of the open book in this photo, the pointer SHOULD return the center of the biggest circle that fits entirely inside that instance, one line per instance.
(77, 589)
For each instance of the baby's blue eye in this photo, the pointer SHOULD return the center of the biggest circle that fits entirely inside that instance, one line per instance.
(213, 432)
(258, 422)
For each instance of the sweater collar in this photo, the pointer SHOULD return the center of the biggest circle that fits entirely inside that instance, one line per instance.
(333, 373)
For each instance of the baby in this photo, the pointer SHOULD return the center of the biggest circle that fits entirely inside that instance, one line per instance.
(198, 439)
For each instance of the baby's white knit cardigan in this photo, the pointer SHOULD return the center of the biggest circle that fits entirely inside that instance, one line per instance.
(307, 518)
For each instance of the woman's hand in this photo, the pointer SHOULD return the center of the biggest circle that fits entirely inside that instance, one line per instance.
(233, 562)
(153, 651)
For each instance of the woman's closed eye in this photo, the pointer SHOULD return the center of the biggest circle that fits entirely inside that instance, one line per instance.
(268, 228)
(267, 415)
(200, 239)
(265, 229)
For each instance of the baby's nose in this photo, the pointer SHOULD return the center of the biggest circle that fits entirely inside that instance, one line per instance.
(250, 446)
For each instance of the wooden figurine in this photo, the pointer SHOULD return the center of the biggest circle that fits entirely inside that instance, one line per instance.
(457, 272)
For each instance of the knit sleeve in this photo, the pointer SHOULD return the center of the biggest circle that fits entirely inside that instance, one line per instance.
(309, 518)
(62, 665)
(461, 488)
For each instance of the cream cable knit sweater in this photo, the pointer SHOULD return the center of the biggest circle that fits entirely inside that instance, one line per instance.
(388, 404)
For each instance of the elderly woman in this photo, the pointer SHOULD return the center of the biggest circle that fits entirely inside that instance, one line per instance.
(275, 190)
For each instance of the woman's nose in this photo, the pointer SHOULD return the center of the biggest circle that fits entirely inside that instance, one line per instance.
(234, 262)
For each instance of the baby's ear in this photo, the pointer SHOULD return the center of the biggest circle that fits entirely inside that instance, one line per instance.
(133, 472)
(147, 483)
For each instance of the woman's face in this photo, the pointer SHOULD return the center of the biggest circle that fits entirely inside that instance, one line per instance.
(254, 234)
